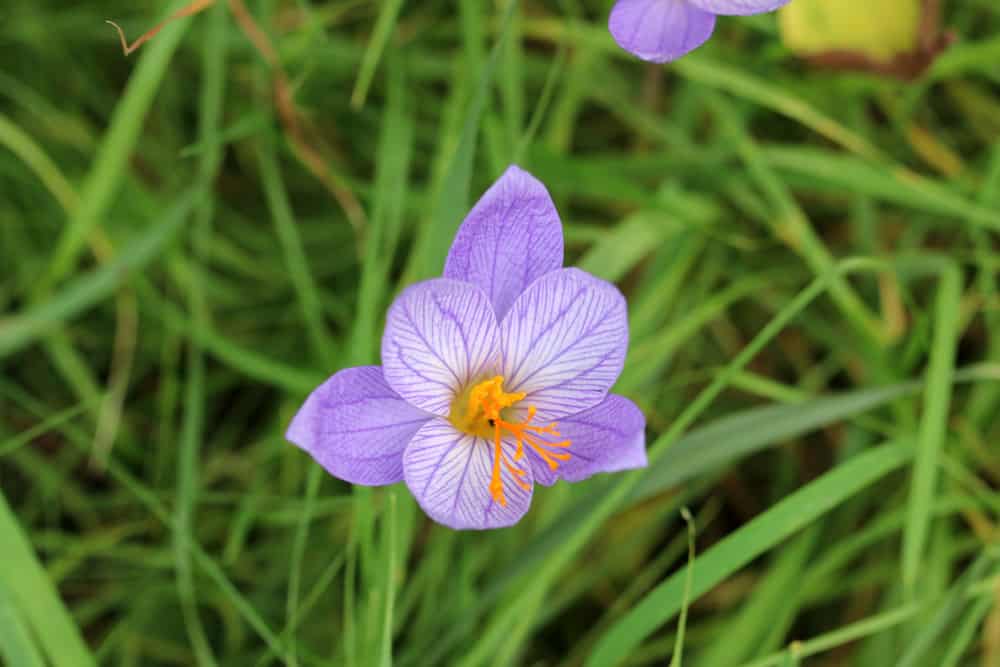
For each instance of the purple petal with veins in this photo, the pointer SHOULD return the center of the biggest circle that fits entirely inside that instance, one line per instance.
(440, 335)
(357, 427)
(659, 30)
(738, 7)
(449, 473)
(563, 343)
(609, 437)
(511, 237)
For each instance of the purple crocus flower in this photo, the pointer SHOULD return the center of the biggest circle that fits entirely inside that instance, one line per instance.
(662, 30)
(493, 378)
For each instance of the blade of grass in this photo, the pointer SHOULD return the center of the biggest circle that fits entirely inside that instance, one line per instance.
(192, 426)
(37, 599)
(678, 658)
(933, 426)
(387, 17)
(730, 80)
(848, 633)
(388, 204)
(111, 160)
(451, 204)
(16, 646)
(247, 361)
(85, 292)
(773, 600)
(295, 567)
(770, 96)
(947, 608)
(763, 533)
(791, 226)
(151, 501)
(50, 423)
(734, 436)
(964, 635)
(388, 584)
(24, 147)
(828, 171)
(294, 254)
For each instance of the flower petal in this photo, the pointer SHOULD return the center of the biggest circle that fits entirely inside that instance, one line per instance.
(449, 474)
(609, 437)
(511, 237)
(659, 30)
(738, 7)
(356, 427)
(563, 342)
(439, 336)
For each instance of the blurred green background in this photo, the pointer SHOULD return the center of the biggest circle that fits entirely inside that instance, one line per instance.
(193, 237)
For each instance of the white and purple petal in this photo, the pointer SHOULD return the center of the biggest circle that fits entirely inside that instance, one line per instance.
(609, 437)
(563, 342)
(357, 427)
(738, 7)
(449, 473)
(660, 30)
(510, 238)
(440, 335)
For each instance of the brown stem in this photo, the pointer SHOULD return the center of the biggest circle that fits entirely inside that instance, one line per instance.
(190, 10)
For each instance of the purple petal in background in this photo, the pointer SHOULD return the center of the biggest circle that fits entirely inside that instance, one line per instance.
(511, 237)
(609, 437)
(439, 336)
(449, 474)
(660, 30)
(356, 427)
(738, 7)
(563, 343)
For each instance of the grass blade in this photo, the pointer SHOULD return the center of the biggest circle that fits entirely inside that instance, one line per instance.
(89, 290)
(933, 427)
(111, 161)
(380, 37)
(30, 588)
(758, 536)
(16, 645)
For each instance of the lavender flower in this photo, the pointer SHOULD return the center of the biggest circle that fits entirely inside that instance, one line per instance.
(662, 30)
(493, 378)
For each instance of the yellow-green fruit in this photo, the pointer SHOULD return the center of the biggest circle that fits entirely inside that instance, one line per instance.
(878, 29)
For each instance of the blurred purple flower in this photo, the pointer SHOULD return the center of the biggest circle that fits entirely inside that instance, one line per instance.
(493, 378)
(662, 30)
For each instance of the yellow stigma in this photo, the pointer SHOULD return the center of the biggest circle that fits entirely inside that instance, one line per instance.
(479, 411)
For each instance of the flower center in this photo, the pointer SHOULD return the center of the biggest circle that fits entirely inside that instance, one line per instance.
(480, 411)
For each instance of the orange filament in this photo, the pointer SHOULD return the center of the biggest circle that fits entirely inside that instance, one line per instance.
(481, 414)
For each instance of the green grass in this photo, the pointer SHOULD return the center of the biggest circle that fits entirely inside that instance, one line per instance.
(811, 260)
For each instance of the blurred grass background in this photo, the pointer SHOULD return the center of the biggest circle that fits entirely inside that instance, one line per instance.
(193, 237)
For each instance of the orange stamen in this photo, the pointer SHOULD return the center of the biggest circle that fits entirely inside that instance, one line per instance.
(481, 414)
(496, 483)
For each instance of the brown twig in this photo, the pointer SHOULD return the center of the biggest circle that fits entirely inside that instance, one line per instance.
(190, 10)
